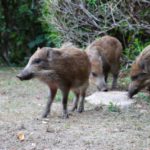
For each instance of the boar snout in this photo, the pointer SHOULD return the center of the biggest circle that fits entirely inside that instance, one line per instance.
(104, 89)
(25, 75)
(101, 85)
(132, 90)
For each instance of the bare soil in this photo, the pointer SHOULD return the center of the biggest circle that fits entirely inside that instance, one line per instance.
(21, 107)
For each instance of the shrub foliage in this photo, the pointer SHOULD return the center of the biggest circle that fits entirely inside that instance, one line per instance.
(25, 25)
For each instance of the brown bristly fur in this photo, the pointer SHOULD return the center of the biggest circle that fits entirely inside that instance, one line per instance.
(66, 68)
(107, 49)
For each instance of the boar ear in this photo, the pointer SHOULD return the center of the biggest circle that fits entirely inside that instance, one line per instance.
(52, 53)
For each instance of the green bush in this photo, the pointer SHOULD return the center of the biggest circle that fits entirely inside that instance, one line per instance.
(134, 49)
(23, 30)
(52, 34)
(25, 25)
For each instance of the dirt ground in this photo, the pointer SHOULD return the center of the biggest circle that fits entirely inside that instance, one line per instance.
(21, 107)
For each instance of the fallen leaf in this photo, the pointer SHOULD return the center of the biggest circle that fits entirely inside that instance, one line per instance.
(20, 136)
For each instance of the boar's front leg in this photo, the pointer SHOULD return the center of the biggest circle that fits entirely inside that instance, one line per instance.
(52, 93)
(81, 104)
(65, 93)
(114, 83)
(106, 76)
(75, 101)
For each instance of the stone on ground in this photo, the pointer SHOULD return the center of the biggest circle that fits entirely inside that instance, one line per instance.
(118, 98)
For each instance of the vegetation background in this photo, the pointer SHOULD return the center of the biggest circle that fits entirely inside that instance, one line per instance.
(25, 25)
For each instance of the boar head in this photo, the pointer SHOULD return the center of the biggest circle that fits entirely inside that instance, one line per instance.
(39, 61)
(97, 75)
(139, 76)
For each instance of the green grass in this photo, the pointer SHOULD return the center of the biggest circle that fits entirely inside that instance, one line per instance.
(59, 96)
(143, 97)
(113, 107)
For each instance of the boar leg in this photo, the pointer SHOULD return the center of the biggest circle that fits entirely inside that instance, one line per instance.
(115, 72)
(64, 103)
(75, 101)
(114, 83)
(106, 76)
(52, 93)
(81, 104)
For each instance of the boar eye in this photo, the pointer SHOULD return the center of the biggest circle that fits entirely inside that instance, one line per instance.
(139, 76)
(36, 61)
(94, 74)
(134, 77)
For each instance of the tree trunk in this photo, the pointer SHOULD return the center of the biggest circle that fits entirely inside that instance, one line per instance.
(5, 35)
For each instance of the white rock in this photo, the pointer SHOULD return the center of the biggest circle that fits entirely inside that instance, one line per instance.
(119, 98)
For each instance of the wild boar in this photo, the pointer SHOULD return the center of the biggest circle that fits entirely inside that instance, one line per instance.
(66, 68)
(140, 73)
(104, 55)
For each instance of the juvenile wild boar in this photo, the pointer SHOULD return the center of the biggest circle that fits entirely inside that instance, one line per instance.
(67, 68)
(140, 73)
(104, 55)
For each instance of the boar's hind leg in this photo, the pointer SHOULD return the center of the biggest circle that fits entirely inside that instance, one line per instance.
(81, 104)
(114, 83)
(65, 93)
(52, 93)
(106, 76)
(75, 101)
(115, 72)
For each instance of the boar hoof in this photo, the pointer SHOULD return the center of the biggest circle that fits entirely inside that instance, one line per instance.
(65, 116)
(44, 115)
(80, 110)
(104, 89)
(130, 95)
(73, 109)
